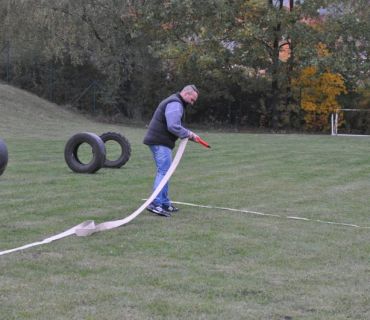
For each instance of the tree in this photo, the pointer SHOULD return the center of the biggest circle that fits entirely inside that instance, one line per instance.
(319, 93)
(235, 47)
(102, 35)
(247, 56)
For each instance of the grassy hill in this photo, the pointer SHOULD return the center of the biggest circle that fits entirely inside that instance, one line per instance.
(24, 115)
(294, 243)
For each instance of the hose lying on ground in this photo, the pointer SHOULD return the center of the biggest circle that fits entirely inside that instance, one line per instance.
(88, 227)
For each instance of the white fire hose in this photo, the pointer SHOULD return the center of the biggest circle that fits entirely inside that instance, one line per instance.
(88, 227)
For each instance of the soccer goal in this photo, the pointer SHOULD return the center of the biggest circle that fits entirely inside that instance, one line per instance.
(351, 123)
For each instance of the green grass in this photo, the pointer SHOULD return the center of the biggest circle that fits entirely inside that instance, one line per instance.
(200, 263)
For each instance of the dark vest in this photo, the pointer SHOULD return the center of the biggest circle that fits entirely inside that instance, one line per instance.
(158, 133)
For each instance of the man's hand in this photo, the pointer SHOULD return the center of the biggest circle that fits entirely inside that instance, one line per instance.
(193, 136)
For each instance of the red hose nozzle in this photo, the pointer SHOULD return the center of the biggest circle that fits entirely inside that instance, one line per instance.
(203, 142)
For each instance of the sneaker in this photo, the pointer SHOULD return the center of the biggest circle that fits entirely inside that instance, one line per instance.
(158, 210)
(170, 208)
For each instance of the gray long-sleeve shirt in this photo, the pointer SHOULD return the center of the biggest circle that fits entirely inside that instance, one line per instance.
(174, 112)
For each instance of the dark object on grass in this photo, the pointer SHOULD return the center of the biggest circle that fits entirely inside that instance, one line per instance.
(3, 157)
(98, 152)
(125, 149)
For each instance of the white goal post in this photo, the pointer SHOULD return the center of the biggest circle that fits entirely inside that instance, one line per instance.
(334, 123)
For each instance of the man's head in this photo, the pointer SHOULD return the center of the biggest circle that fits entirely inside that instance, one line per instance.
(190, 94)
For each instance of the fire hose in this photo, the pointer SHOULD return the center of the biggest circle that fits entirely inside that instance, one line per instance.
(88, 227)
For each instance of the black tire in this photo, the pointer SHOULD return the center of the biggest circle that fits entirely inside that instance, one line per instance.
(3, 157)
(98, 151)
(125, 149)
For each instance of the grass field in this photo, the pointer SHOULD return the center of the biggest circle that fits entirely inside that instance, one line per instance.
(200, 263)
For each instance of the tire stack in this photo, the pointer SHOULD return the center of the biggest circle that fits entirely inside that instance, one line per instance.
(3, 157)
(99, 154)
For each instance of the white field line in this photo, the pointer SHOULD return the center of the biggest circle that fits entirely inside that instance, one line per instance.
(270, 215)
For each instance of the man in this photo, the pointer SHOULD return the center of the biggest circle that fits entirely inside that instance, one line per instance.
(164, 129)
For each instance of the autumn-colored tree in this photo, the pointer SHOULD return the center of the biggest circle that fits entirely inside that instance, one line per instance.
(319, 94)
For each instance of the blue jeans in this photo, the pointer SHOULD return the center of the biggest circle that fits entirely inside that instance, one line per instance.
(163, 158)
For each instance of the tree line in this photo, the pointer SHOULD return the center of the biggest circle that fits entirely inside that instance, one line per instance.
(259, 63)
